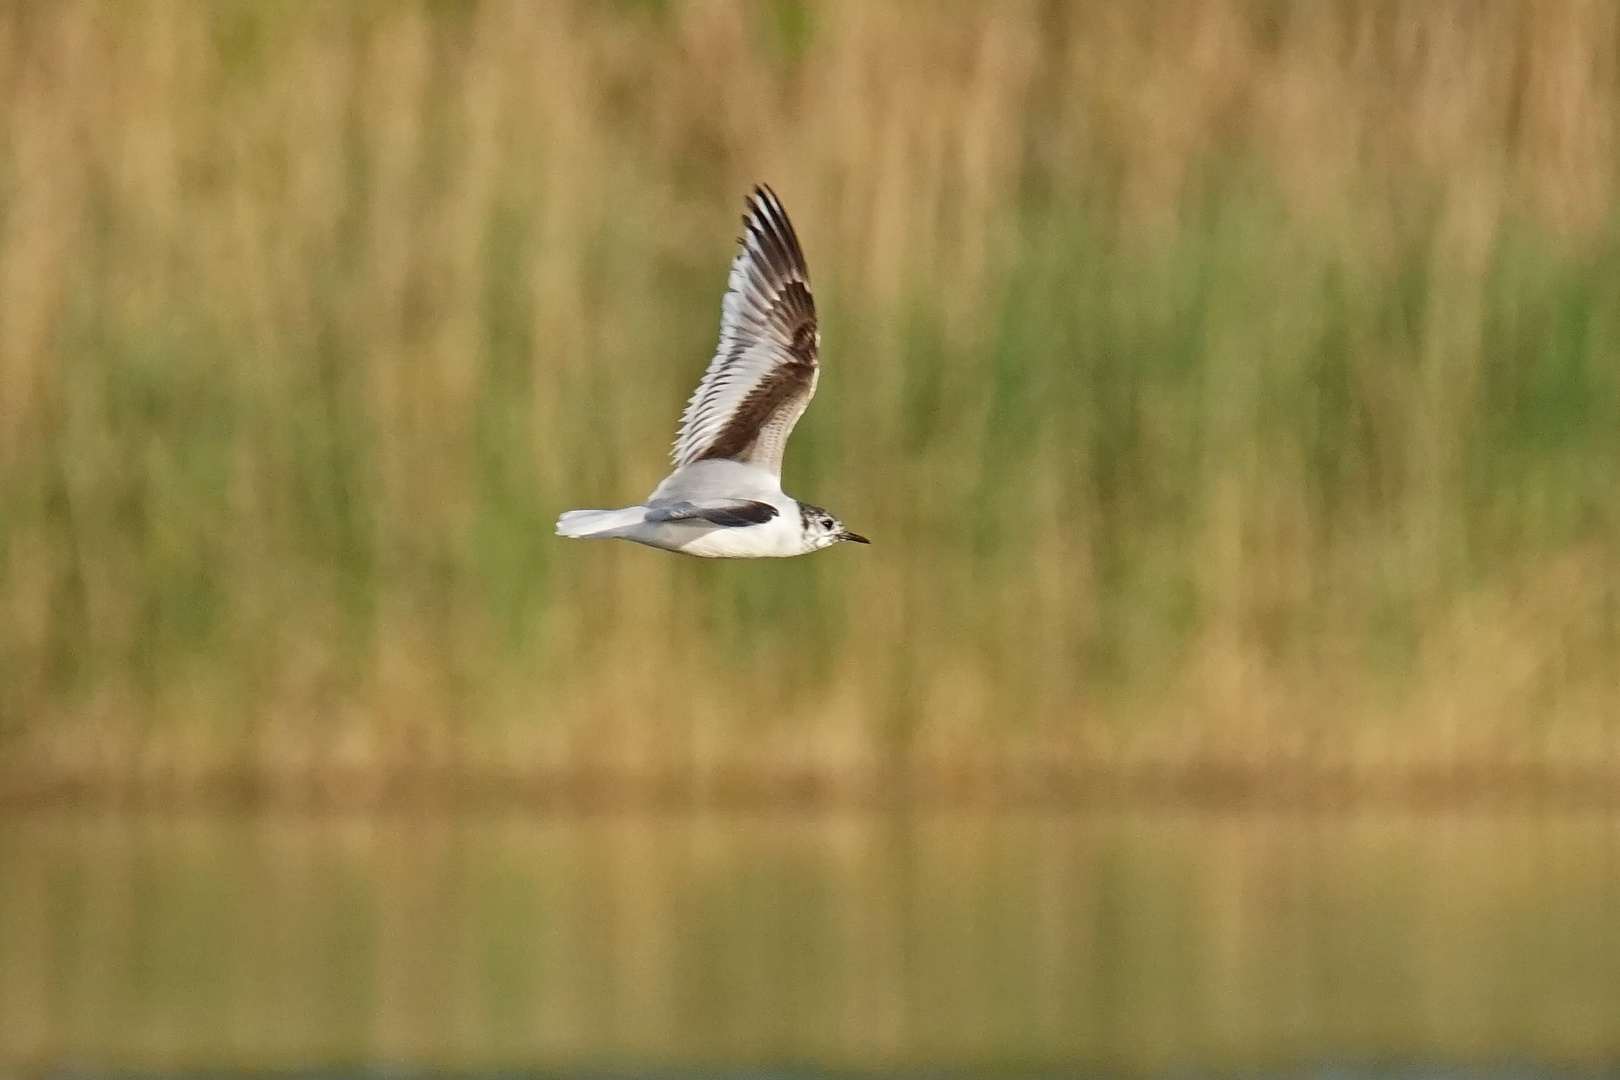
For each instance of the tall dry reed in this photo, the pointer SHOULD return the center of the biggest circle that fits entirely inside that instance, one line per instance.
(1229, 378)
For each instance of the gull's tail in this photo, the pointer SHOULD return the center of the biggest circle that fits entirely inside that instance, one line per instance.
(584, 523)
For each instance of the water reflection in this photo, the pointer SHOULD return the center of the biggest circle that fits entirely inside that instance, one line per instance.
(1126, 940)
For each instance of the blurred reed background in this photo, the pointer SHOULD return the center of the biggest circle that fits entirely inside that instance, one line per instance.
(1231, 390)
(1235, 378)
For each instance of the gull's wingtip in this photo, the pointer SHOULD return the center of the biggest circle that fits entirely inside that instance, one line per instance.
(763, 200)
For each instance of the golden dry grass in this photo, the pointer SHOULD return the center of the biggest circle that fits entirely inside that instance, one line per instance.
(1221, 379)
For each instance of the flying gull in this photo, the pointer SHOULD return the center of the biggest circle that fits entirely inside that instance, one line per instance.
(724, 500)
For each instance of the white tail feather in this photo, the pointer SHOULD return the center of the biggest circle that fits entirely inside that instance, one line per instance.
(584, 523)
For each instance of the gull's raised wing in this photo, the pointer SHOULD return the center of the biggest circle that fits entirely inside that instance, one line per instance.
(764, 372)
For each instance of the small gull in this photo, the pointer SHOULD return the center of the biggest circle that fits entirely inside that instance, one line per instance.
(724, 500)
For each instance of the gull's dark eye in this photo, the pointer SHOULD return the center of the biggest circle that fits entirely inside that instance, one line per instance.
(826, 523)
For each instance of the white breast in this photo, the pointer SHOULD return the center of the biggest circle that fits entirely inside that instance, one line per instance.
(778, 538)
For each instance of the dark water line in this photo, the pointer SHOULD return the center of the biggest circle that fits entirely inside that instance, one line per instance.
(1196, 785)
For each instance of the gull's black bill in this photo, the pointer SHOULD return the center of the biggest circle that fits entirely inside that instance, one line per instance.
(857, 537)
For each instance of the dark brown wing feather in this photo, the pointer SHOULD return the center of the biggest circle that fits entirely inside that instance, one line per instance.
(764, 372)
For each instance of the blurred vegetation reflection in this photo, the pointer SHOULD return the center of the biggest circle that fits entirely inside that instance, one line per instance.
(1143, 942)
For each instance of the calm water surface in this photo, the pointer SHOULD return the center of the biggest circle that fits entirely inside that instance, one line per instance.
(1125, 941)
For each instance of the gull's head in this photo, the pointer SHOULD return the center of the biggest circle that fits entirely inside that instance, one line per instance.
(821, 529)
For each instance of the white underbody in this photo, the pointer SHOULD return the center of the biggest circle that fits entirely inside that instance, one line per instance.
(703, 483)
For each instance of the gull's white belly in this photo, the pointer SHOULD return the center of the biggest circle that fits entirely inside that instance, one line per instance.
(777, 538)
